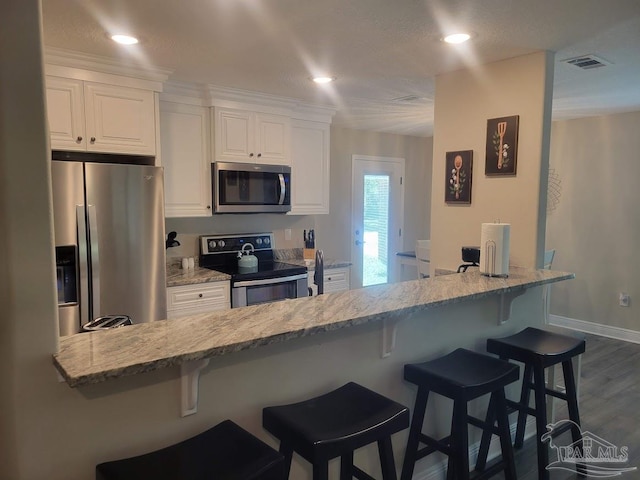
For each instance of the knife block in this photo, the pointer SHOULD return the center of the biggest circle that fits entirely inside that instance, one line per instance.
(309, 253)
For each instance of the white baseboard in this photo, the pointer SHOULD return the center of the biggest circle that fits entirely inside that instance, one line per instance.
(439, 471)
(617, 333)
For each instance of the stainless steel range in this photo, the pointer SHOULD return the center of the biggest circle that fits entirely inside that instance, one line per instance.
(252, 283)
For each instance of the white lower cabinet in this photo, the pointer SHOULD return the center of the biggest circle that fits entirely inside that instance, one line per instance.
(200, 298)
(335, 280)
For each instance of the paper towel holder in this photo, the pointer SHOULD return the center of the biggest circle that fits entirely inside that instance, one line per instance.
(490, 261)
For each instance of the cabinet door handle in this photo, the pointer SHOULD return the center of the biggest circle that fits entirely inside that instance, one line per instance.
(79, 139)
(251, 155)
(93, 139)
(199, 295)
(208, 207)
(259, 155)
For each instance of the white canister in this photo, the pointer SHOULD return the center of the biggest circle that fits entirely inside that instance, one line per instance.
(192, 263)
(185, 263)
(494, 249)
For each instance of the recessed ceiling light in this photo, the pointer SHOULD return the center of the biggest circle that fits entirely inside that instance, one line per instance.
(124, 39)
(322, 80)
(457, 38)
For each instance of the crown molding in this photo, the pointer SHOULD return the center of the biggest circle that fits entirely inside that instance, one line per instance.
(95, 63)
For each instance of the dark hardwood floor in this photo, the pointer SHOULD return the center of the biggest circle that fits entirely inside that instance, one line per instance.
(609, 406)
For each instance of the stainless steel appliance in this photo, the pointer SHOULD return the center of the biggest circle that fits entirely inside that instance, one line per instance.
(250, 188)
(269, 281)
(109, 237)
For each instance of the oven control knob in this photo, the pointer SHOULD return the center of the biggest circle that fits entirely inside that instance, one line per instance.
(266, 240)
(221, 243)
(259, 241)
(212, 244)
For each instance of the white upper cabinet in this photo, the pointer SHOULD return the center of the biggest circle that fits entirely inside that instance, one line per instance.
(96, 117)
(185, 145)
(309, 167)
(65, 111)
(251, 137)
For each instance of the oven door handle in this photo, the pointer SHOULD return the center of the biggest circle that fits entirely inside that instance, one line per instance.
(269, 281)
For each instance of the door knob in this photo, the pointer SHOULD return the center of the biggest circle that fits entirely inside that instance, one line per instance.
(358, 243)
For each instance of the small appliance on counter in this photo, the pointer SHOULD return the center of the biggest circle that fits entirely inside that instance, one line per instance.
(256, 280)
(471, 257)
(107, 322)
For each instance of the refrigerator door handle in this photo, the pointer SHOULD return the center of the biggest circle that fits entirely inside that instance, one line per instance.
(83, 267)
(92, 222)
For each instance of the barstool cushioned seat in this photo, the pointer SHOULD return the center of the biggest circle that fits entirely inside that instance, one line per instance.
(462, 375)
(224, 452)
(334, 425)
(540, 349)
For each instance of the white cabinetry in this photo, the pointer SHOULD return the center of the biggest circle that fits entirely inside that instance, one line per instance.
(201, 298)
(96, 117)
(309, 167)
(335, 280)
(184, 137)
(251, 137)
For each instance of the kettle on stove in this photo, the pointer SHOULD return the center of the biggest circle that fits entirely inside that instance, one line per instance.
(247, 261)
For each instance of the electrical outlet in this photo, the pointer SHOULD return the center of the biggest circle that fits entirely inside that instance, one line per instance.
(623, 299)
(287, 234)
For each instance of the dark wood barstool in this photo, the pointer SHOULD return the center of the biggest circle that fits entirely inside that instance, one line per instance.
(335, 425)
(538, 350)
(225, 451)
(462, 375)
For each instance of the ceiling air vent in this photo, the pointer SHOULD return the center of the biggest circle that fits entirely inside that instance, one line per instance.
(587, 62)
(409, 99)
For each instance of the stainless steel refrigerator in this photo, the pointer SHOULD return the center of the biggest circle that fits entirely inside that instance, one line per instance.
(109, 237)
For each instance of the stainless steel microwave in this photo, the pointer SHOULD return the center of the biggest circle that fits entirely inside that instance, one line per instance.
(250, 188)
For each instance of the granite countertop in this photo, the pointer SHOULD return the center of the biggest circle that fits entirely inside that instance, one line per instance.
(176, 276)
(98, 356)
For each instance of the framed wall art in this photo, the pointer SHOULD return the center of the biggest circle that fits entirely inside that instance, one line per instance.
(502, 146)
(458, 168)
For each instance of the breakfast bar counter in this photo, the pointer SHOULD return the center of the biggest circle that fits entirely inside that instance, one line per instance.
(95, 357)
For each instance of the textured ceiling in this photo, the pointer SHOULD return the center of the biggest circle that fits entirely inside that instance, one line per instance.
(379, 50)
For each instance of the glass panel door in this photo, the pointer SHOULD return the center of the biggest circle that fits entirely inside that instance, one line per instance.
(377, 218)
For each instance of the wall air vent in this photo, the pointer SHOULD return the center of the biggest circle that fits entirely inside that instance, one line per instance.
(587, 62)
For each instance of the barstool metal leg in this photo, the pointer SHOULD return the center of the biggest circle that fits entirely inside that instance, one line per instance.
(287, 451)
(346, 466)
(460, 440)
(414, 434)
(321, 471)
(385, 450)
(500, 405)
(524, 404)
(541, 421)
(485, 442)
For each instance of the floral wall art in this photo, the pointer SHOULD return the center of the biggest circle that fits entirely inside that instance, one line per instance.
(502, 146)
(458, 167)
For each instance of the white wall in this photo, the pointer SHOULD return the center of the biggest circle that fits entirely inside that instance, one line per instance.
(595, 227)
(334, 230)
(464, 101)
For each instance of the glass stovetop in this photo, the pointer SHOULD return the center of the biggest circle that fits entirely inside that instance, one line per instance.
(266, 269)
